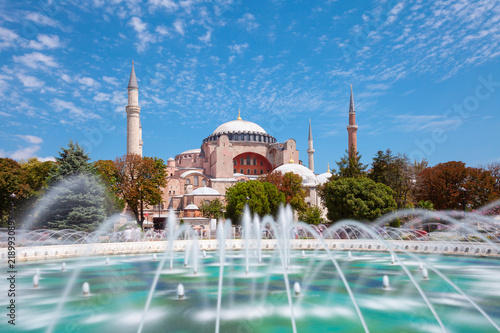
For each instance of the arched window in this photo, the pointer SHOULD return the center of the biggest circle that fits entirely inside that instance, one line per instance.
(188, 181)
(195, 180)
(248, 172)
(204, 182)
(254, 171)
(261, 171)
(241, 170)
(234, 171)
(249, 162)
(254, 161)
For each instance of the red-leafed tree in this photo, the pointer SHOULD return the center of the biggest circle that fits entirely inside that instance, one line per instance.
(291, 185)
(452, 185)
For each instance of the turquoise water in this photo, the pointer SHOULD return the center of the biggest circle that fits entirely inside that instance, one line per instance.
(257, 302)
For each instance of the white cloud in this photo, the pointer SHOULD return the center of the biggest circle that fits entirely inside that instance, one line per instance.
(248, 21)
(144, 36)
(45, 42)
(75, 113)
(66, 78)
(24, 153)
(31, 139)
(110, 80)
(7, 38)
(206, 38)
(35, 59)
(179, 26)
(166, 4)
(101, 97)
(238, 48)
(30, 81)
(88, 81)
(42, 19)
(162, 30)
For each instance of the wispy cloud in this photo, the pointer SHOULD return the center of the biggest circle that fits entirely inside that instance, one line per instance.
(30, 81)
(248, 21)
(143, 35)
(179, 26)
(36, 60)
(238, 48)
(7, 38)
(75, 113)
(31, 139)
(45, 42)
(42, 20)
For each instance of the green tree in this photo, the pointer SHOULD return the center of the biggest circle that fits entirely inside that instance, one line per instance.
(381, 166)
(312, 215)
(11, 181)
(356, 198)
(350, 165)
(106, 170)
(77, 195)
(138, 181)
(260, 197)
(212, 209)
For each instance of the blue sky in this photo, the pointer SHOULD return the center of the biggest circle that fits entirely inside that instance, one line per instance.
(425, 75)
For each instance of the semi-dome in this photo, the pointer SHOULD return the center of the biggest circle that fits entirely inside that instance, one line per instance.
(191, 151)
(191, 207)
(324, 177)
(205, 191)
(308, 177)
(235, 126)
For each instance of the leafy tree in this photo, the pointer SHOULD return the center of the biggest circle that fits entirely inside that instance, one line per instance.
(291, 185)
(11, 181)
(381, 166)
(494, 169)
(212, 209)
(71, 161)
(356, 198)
(425, 205)
(312, 215)
(261, 198)
(77, 194)
(452, 185)
(138, 181)
(107, 171)
(350, 165)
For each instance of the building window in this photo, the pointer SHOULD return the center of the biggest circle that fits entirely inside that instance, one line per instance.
(204, 182)
(234, 171)
(242, 161)
(195, 180)
(261, 163)
(254, 161)
(235, 162)
(249, 162)
(254, 171)
(248, 172)
(241, 170)
(261, 171)
(188, 181)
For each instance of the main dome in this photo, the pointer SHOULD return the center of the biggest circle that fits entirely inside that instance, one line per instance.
(235, 126)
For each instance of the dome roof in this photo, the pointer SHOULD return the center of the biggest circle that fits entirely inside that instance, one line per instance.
(308, 177)
(191, 151)
(191, 206)
(170, 159)
(239, 126)
(205, 191)
(324, 177)
(187, 173)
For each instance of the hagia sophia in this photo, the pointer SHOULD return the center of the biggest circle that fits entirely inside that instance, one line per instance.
(238, 150)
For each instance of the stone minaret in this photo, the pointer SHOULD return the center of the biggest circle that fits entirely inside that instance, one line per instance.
(352, 128)
(310, 149)
(134, 128)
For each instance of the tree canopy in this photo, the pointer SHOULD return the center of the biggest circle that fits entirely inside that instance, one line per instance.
(357, 198)
(350, 165)
(452, 185)
(289, 184)
(212, 209)
(261, 197)
(138, 181)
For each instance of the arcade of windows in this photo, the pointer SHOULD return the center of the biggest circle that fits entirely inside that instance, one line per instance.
(253, 137)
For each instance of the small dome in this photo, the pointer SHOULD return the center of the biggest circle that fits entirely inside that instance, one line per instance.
(324, 177)
(205, 191)
(191, 207)
(170, 159)
(308, 177)
(239, 126)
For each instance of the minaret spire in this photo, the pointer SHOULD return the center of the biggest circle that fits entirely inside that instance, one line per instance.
(134, 128)
(310, 149)
(352, 128)
(239, 115)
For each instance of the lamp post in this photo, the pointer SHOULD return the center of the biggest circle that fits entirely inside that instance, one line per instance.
(12, 198)
(463, 190)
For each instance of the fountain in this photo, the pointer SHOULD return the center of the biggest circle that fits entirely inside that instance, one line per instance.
(253, 284)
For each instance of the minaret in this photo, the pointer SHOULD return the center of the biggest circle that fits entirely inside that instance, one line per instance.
(352, 128)
(134, 128)
(310, 149)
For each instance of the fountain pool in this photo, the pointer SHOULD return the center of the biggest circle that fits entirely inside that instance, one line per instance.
(257, 301)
